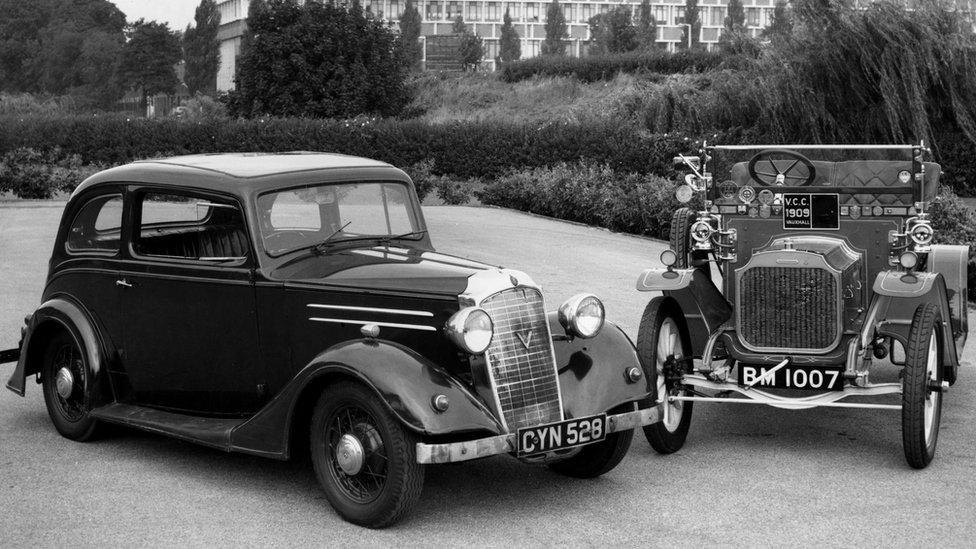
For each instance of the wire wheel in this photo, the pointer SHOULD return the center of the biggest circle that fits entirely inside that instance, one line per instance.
(358, 455)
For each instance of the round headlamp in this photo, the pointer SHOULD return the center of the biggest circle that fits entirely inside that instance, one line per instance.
(702, 231)
(582, 315)
(908, 260)
(471, 329)
(669, 258)
(922, 234)
(684, 194)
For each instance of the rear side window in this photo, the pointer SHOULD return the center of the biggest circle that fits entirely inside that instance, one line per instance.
(97, 226)
(189, 227)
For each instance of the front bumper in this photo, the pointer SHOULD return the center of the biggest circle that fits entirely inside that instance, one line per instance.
(505, 444)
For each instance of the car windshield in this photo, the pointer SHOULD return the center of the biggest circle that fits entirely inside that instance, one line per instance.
(299, 218)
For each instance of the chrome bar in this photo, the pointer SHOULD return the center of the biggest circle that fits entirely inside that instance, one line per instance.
(781, 404)
(372, 310)
(812, 147)
(383, 324)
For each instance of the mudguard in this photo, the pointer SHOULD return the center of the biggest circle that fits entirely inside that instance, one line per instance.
(896, 297)
(404, 380)
(63, 313)
(951, 262)
(704, 307)
(593, 372)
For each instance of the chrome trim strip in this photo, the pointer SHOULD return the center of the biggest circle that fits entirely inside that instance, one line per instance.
(814, 147)
(777, 404)
(505, 444)
(383, 324)
(372, 310)
(755, 396)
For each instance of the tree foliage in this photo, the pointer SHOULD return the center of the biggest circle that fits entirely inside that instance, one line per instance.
(781, 23)
(317, 60)
(646, 26)
(410, 47)
(471, 49)
(735, 20)
(59, 47)
(201, 50)
(555, 30)
(693, 18)
(510, 44)
(148, 58)
(613, 31)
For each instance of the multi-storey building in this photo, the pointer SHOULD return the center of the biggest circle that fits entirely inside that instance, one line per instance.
(485, 18)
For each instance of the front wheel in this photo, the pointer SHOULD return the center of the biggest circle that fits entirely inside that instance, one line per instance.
(662, 345)
(596, 459)
(364, 459)
(921, 401)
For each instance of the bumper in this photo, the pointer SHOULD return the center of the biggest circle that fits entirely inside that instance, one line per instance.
(505, 444)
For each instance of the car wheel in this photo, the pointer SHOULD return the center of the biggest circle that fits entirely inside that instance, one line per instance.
(596, 459)
(364, 459)
(67, 387)
(921, 401)
(660, 341)
(680, 238)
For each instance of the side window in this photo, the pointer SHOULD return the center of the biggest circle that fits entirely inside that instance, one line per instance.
(190, 227)
(97, 226)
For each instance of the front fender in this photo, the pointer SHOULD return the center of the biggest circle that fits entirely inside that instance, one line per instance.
(658, 279)
(404, 380)
(704, 307)
(62, 313)
(593, 372)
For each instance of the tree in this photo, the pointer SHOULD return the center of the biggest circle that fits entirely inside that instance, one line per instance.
(509, 44)
(735, 38)
(410, 47)
(613, 31)
(555, 30)
(735, 21)
(148, 58)
(781, 24)
(201, 50)
(458, 26)
(471, 49)
(693, 18)
(318, 60)
(646, 27)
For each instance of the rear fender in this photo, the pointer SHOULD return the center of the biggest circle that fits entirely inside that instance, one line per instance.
(404, 380)
(704, 307)
(593, 372)
(896, 297)
(951, 262)
(57, 314)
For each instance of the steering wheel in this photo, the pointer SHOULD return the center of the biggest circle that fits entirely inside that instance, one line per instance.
(798, 168)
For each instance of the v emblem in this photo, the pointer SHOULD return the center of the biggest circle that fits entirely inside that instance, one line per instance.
(526, 339)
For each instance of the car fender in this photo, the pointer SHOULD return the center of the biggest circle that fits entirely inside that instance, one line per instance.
(661, 279)
(704, 307)
(952, 263)
(62, 312)
(404, 380)
(896, 297)
(593, 372)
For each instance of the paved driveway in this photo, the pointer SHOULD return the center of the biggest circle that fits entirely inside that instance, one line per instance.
(748, 476)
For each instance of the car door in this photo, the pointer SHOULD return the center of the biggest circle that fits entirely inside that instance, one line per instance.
(191, 338)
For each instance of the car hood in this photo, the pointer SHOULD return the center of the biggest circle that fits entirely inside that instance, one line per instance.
(384, 268)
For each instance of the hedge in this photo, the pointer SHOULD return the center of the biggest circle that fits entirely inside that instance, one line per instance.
(604, 67)
(475, 149)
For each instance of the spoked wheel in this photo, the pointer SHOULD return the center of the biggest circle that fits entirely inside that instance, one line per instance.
(921, 400)
(661, 344)
(364, 460)
(64, 374)
(681, 242)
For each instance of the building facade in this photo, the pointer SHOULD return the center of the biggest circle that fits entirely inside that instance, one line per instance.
(485, 19)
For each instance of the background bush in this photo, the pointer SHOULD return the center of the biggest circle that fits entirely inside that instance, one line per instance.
(606, 66)
(29, 173)
(955, 223)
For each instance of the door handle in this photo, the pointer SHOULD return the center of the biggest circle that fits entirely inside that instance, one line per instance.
(123, 282)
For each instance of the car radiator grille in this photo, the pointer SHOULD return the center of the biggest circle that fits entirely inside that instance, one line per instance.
(788, 308)
(520, 359)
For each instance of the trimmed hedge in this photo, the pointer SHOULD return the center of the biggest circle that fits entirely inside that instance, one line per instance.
(475, 149)
(605, 67)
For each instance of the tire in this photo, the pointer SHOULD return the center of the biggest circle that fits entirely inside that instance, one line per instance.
(662, 329)
(680, 239)
(596, 459)
(921, 408)
(65, 362)
(388, 480)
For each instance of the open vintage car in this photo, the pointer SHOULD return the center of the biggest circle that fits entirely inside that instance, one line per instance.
(271, 304)
(805, 266)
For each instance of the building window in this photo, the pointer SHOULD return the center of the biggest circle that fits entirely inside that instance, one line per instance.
(533, 48)
(661, 14)
(752, 17)
(532, 11)
(433, 10)
(514, 11)
(679, 16)
(586, 11)
(569, 10)
(474, 11)
(396, 9)
(493, 14)
(453, 10)
(718, 17)
(491, 49)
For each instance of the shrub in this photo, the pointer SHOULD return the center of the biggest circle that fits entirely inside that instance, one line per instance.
(454, 192)
(423, 180)
(29, 173)
(606, 66)
(955, 223)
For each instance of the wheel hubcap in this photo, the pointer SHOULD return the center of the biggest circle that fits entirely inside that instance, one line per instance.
(668, 347)
(349, 454)
(64, 381)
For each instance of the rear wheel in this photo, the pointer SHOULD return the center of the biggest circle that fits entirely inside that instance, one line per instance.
(921, 402)
(67, 388)
(364, 459)
(661, 345)
(596, 459)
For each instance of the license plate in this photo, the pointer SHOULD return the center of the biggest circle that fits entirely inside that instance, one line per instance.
(814, 378)
(811, 211)
(561, 434)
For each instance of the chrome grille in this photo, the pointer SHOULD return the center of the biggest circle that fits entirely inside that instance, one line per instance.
(788, 308)
(520, 359)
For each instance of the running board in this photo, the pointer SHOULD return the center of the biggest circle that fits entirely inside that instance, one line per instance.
(829, 399)
(212, 432)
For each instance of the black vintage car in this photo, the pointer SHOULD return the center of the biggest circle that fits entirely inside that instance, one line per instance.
(274, 304)
(804, 266)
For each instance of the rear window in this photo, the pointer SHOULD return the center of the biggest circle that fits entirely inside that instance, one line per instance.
(97, 226)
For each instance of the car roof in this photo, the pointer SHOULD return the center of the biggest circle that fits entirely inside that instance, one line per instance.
(244, 173)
